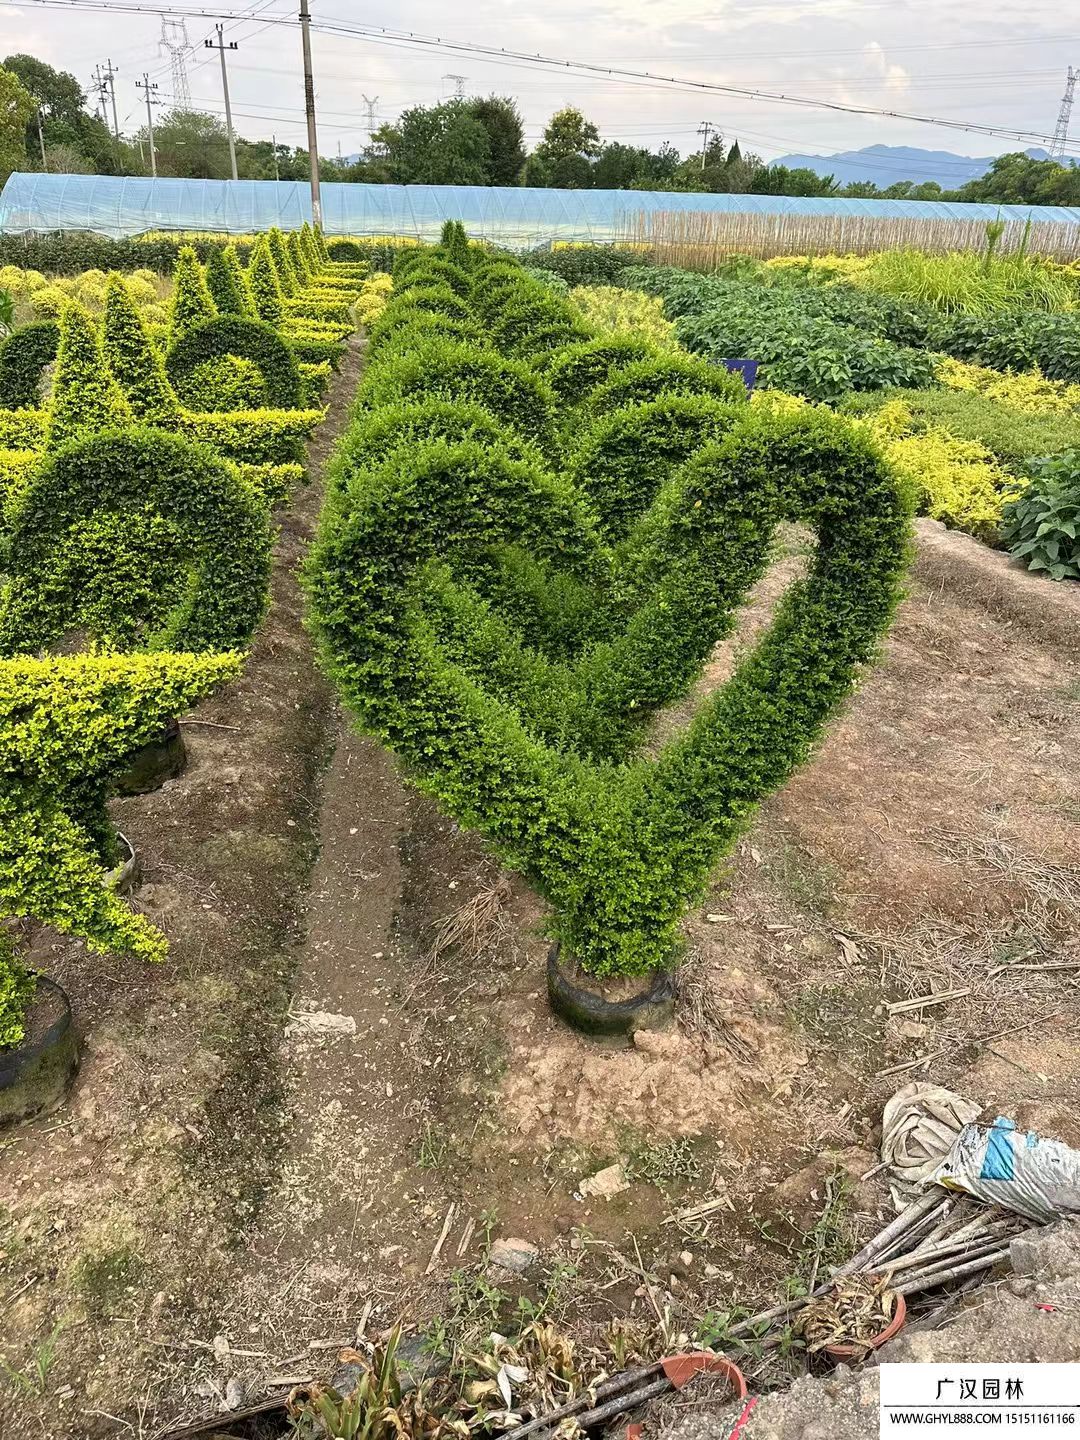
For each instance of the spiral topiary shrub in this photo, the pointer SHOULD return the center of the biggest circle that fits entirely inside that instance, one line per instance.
(24, 357)
(141, 540)
(249, 340)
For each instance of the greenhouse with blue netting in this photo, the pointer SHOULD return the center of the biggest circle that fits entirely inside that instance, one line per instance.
(520, 216)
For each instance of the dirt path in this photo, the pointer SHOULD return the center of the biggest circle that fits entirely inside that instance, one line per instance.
(119, 1215)
(270, 1139)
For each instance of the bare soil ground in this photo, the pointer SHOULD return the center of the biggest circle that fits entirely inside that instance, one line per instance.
(318, 1115)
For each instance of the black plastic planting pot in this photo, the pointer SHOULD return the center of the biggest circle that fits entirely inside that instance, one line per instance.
(583, 1005)
(152, 764)
(35, 1076)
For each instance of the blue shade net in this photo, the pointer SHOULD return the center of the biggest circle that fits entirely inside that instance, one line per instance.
(117, 205)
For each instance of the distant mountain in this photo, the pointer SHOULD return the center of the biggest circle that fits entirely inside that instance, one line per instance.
(886, 164)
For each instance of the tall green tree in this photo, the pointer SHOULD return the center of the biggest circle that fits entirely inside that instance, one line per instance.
(16, 107)
(562, 160)
(502, 120)
(437, 145)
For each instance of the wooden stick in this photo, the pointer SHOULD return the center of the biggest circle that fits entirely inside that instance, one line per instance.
(592, 1418)
(213, 725)
(902, 1242)
(441, 1240)
(919, 1207)
(933, 1259)
(932, 1279)
(901, 1007)
(618, 1383)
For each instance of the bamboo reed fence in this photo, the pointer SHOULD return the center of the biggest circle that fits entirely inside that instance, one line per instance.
(699, 240)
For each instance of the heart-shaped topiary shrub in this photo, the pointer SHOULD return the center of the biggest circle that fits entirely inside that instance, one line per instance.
(510, 626)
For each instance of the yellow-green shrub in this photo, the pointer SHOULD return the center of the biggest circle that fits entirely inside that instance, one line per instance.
(67, 723)
(1030, 392)
(626, 312)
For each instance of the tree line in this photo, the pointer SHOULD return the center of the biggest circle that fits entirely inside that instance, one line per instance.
(45, 124)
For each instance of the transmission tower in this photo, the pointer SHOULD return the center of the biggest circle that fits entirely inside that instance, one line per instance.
(1061, 129)
(370, 101)
(459, 85)
(174, 39)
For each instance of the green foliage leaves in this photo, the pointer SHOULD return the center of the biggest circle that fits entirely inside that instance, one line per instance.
(247, 339)
(85, 397)
(133, 361)
(66, 724)
(192, 304)
(510, 630)
(16, 992)
(141, 539)
(23, 358)
(1042, 526)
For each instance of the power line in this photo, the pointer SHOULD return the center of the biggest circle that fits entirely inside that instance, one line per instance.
(551, 64)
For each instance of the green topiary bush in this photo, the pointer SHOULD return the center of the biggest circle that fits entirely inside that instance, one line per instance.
(141, 540)
(666, 375)
(85, 398)
(455, 371)
(344, 250)
(16, 991)
(247, 339)
(227, 285)
(574, 370)
(538, 753)
(133, 361)
(191, 304)
(24, 357)
(264, 284)
(67, 724)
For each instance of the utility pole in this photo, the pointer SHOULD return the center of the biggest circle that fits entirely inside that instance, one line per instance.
(704, 129)
(309, 106)
(110, 80)
(1061, 130)
(277, 170)
(221, 47)
(41, 140)
(145, 85)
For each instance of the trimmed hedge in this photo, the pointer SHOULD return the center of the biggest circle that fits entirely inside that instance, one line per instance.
(511, 644)
(247, 339)
(455, 371)
(272, 437)
(24, 356)
(67, 725)
(71, 253)
(141, 539)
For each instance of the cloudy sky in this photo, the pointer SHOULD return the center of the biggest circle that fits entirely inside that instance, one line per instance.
(993, 63)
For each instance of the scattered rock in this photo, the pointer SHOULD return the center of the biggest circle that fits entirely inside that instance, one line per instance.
(513, 1254)
(315, 1023)
(606, 1183)
(234, 1394)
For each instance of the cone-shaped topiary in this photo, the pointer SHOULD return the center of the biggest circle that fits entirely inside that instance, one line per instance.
(320, 244)
(192, 303)
(85, 397)
(134, 363)
(311, 249)
(300, 264)
(265, 287)
(67, 723)
(287, 277)
(241, 281)
(224, 287)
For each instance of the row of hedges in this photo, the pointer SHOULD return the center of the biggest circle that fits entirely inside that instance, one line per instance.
(534, 537)
(154, 548)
